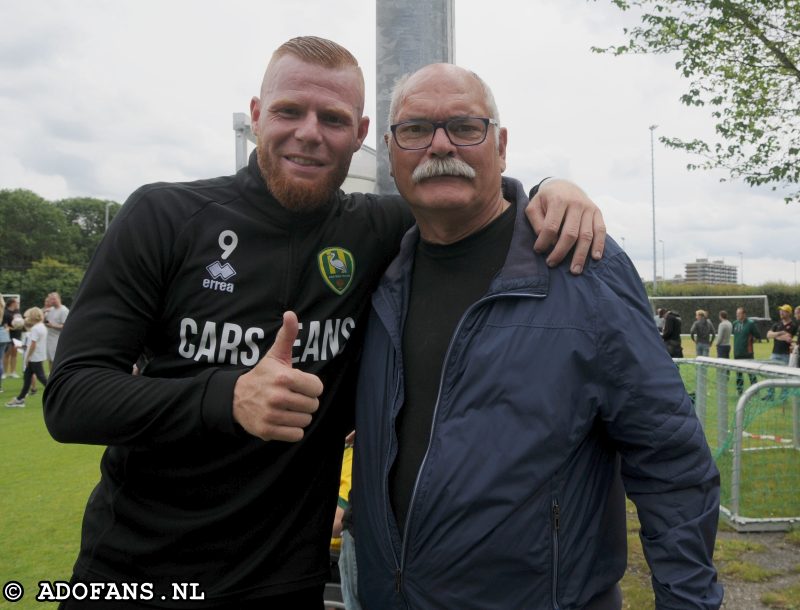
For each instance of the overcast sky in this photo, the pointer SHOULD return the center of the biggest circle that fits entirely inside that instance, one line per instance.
(99, 97)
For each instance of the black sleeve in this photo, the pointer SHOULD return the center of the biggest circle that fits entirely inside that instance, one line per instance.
(92, 397)
(390, 218)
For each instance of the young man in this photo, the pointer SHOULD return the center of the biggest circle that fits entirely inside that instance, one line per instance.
(224, 454)
(498, 403)
(724, 331)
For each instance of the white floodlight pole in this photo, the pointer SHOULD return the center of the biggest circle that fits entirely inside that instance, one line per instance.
(653, 198)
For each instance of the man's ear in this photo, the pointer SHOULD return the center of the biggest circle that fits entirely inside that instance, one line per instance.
(363, 128)
(501, 147)
(387, 138)
(255, 113)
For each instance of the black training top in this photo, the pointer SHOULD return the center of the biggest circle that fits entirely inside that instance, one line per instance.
(200, 274)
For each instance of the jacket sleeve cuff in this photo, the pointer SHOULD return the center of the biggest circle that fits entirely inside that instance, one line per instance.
(217, 406)
(535, 189)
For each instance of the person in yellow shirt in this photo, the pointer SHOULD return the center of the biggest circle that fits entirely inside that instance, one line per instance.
(342, 543)
(344, 494)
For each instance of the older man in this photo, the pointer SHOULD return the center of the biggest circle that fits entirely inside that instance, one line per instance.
(498, 403)
(224, 454)
(55, 316)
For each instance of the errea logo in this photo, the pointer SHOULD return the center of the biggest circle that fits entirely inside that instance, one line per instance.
(221, 272)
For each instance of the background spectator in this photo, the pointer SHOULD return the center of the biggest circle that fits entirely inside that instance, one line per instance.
(35, 354)
(782, 333)
(702, 333)
(724, 331)
(54, 318)
(5, 338)
(660, 313)
(13, 320)
(672, 334)
(744, 332)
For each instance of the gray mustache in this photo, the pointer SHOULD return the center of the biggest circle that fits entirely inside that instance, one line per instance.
(448, 166)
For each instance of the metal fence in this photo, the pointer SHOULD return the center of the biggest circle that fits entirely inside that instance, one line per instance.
(754, 434)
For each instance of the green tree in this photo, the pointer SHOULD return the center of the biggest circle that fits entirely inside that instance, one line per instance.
(88, 217)
(48, 275)
(11, 281)
(32, 229)
(742, 59)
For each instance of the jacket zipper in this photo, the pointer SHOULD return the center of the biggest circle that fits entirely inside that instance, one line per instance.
(470, 309)
(386, 509)
(556, 512)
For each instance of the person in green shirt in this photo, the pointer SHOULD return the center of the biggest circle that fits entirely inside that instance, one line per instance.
(744, 332)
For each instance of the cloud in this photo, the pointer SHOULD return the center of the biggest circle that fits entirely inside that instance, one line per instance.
(97, 98)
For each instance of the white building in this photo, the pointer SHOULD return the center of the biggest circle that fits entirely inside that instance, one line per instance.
(714, 272)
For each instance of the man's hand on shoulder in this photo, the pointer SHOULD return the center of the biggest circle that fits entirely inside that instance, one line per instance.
(275, 401)
(563, 216)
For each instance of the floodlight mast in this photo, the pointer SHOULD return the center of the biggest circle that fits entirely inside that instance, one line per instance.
(410, 35)
(243, 133)
(653, 193)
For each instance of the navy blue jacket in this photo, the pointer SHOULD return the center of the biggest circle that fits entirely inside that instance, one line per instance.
(554, 391)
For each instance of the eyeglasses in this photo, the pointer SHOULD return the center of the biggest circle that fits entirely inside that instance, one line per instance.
(462, 131)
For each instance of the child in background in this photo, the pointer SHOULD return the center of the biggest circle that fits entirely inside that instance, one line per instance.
(35, 354)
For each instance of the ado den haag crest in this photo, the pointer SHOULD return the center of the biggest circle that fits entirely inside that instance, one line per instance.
(337, 267)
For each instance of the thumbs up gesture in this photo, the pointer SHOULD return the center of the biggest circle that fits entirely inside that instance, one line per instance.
(274, 401)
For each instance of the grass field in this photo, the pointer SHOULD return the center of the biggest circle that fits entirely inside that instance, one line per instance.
(45, 486)
(770, 467)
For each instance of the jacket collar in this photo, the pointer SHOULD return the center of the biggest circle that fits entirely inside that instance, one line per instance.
(524, 271)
